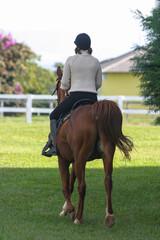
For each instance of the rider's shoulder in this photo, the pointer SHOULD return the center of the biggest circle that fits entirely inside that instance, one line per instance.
(95, 59)
(71, 58)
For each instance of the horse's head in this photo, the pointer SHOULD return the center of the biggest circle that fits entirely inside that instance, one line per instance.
(60, 92)
(59, 72)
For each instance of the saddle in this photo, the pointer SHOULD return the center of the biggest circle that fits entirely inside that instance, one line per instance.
(79, 103)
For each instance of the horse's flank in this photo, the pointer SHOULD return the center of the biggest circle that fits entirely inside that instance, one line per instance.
(87, 125)
(79, 133)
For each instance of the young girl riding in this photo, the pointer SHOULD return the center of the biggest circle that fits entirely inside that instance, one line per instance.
(82, 77)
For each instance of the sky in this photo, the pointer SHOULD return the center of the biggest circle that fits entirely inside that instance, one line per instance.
(49, 27)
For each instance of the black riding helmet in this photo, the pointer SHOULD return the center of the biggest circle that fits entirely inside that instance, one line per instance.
(83, 41)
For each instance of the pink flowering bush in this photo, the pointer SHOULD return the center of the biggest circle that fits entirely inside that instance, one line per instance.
(6, 41)
(13, 57)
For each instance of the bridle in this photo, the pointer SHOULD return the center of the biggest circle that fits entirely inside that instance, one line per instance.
(60, 93)
(57, 85)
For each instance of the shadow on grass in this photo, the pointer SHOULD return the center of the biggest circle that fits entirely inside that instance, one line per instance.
(31, 200)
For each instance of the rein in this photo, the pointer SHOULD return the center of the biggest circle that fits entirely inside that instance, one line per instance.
(57, 85)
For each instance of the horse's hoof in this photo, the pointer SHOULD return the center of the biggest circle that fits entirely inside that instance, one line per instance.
(109, 219)
(64, 210)
(76, 221)
(63, 213)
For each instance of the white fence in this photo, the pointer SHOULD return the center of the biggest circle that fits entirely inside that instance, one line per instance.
(29, 100)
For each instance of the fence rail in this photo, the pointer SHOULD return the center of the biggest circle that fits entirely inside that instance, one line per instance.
(29, 100)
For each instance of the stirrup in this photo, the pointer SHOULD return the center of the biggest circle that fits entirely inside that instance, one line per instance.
(48, 145)
(51, 152)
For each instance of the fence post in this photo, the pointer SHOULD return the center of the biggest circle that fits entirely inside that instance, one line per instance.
(29, 108)
(1, 105)
(120, 102)
(127, 107)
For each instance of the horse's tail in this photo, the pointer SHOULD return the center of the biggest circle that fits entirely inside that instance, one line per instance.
(109, 122)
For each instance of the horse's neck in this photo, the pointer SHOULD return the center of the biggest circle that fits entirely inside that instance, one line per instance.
(61, 95)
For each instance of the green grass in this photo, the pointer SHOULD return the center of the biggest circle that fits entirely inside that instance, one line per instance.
(31, 190)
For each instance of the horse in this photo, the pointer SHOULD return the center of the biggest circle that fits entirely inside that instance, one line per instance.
(93, 131)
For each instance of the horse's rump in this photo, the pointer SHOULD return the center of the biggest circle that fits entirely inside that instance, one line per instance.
(88, 124)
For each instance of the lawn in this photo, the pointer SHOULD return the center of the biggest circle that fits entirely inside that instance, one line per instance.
(31, 191)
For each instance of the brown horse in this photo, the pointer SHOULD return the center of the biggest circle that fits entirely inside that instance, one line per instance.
(91, 132)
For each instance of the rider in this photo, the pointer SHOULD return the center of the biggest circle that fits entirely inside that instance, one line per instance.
(82, 76)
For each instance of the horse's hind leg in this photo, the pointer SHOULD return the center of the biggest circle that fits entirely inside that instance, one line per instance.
(72, 178)
(71, 187)
(80, 174)
(64, 171)
(108, 166)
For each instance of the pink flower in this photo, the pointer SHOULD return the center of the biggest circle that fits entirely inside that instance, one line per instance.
(9, 36)
(1, 36)
(18, 88)
(8, 43)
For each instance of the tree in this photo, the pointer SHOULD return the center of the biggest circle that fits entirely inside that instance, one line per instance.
(146, 63)
(13, 55)
(19, 71)
(35, 79)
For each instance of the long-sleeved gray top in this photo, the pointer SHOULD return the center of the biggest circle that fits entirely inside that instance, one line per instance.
(82, 72)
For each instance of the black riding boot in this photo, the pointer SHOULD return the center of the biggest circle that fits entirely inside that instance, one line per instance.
(53, 149)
